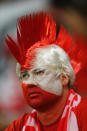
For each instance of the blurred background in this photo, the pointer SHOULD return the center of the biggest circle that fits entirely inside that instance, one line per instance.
(71, 13)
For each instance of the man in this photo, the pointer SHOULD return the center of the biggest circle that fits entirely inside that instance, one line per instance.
(47, 76)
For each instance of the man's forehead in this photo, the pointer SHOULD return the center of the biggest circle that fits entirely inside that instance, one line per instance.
(49, 57)
(41, 59)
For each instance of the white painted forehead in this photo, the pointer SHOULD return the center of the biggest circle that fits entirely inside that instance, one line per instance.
(50, 57)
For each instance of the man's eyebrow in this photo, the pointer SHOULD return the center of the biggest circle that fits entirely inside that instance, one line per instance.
(25, 71)
(38, 69)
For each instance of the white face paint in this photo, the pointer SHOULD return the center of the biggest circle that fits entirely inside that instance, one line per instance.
(45, 79)
(51, 83)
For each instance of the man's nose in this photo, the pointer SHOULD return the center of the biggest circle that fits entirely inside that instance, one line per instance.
(32, 81)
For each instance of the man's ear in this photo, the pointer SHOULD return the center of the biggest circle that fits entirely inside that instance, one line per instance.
(64, 79)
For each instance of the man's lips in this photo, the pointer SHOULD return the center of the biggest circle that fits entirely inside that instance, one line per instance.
(33, 94)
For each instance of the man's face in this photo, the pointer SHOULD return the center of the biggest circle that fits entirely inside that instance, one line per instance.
(41, 87)
(41, 83)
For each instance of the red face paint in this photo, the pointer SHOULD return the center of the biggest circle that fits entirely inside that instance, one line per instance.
(38, 98)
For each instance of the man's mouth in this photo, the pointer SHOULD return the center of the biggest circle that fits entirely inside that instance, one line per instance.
(34, 94)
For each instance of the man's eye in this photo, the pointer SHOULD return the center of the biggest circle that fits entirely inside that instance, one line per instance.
(24, 75)
(39, 72)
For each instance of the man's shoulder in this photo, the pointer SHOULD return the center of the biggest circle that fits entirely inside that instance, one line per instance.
(82, 107)
(17, 125)
(82, 114)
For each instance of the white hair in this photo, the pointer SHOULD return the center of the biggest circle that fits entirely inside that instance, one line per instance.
(55, 58)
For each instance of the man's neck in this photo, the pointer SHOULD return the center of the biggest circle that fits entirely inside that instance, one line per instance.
(53, 114)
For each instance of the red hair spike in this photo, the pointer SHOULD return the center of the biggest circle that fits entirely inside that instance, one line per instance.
(13, 48)
(64, 39)
(31, 29)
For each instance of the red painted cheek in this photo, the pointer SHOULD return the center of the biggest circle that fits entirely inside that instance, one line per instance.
(25, 89)
(40, 99)
(32, 88)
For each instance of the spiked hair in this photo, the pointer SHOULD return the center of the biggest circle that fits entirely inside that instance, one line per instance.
(38, 30)
(31, 29)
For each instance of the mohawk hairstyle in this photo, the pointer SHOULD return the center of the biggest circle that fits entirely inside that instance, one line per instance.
(39, 29)
(31, 29)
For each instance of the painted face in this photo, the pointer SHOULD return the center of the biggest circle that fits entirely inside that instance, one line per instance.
(41, 87)
(46, 79)
(41, 83)
(38, 98)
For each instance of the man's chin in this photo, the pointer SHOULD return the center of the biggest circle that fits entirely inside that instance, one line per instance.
(35, 102)
(36, 105)
(40, 105)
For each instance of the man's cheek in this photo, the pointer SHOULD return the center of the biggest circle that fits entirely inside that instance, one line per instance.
(52, 86)
(24, 88)
(45, 84)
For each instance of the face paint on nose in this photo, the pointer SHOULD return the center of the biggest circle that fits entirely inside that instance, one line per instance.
(46, 80)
